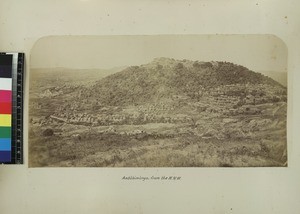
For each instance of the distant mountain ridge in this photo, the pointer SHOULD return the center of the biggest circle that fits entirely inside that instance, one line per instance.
(165, 77)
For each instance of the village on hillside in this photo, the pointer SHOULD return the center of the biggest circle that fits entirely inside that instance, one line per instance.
(226, 125)
(225, 100)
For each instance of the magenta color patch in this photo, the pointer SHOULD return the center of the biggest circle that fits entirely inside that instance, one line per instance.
(5, 96)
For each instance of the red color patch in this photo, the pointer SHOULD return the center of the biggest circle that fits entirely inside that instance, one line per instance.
(5, 108)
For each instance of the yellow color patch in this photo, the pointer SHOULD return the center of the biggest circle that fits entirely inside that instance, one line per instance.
(5, 120)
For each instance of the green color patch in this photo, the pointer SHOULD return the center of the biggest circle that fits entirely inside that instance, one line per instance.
(5, 132)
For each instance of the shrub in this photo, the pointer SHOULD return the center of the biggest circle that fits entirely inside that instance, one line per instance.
(48, 132)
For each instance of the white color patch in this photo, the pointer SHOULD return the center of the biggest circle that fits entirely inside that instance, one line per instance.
(5, 83)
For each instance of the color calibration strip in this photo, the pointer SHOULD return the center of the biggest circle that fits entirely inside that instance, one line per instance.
(11, 108)
(5, 107)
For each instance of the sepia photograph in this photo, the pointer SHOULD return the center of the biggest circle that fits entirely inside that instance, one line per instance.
(158, 101)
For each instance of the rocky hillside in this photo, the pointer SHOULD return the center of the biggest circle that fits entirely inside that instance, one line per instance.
(164, 78)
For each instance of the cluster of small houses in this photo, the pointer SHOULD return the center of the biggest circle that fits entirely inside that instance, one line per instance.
(116, 119)
(152, 108)
(219, 100)
(139, 118)
(226, 99)
(130, 133)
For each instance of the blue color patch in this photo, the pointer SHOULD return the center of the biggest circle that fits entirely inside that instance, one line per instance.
(5, 144)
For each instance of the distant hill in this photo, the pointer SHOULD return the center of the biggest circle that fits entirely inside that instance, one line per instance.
(278, 76)
(164, 77)
(72, 76)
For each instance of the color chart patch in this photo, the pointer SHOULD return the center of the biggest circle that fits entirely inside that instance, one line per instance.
(11, 108)
(6, 63)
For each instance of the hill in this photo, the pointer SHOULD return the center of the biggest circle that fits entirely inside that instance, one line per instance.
(70, 76)
(164, 78)
(165, 113)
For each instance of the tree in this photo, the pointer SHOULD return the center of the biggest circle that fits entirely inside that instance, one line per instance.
(179, 66)
(159, 67)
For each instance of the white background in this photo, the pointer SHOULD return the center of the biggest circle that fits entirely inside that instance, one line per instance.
(201, 190)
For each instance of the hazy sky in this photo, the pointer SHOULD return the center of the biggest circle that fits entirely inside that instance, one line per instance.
(257, 52)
